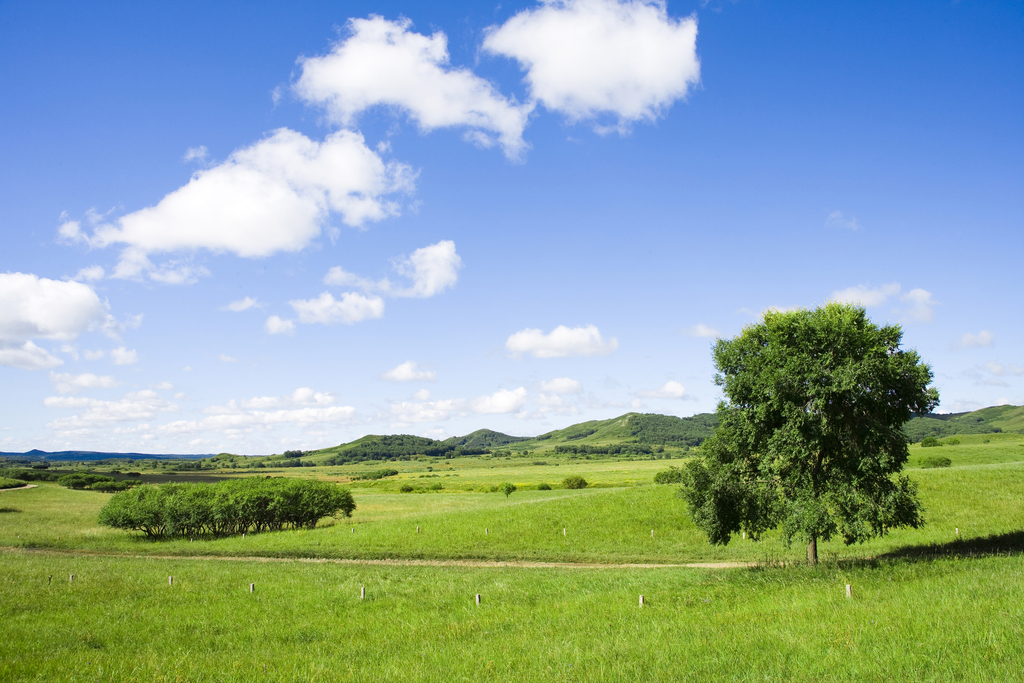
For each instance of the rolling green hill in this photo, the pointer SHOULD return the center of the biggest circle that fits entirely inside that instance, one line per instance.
(985, 421)
(629, 434)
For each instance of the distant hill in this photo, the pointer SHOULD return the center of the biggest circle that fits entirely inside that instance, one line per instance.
(629, 433)
(484, 438)
(985, 421)
(36, 455)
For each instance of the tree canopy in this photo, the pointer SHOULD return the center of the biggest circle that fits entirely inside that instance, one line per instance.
(810, 436)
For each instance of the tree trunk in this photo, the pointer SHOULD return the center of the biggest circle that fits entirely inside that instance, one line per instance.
(812, 551)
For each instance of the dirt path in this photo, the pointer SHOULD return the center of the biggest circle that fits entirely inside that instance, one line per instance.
(479, 564)
(20, 488)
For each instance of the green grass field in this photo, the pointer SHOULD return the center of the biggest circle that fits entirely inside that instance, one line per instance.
(928, 604)
(952, 619)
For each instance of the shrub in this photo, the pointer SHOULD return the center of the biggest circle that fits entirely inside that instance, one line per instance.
(378, 474)
(954, 441)
(543, 487)
(406, 488)
(574, 481)
(6, 483)
(933, 461)
(82, 481)
(227, 507)
(111, 486)
(507, 488)
(673, 475)
(930, 442)
(436, 487)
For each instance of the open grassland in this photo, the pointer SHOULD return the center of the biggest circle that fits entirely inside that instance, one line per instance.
(611, 525)
(950, 619)
(927, 604)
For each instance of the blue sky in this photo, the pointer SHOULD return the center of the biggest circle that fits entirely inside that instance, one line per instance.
(251, 230)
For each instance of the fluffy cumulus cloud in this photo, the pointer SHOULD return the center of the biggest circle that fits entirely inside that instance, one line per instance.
(350, 308)
(430, 270)
(384, 63)
(123, 356)
(304, 407)
(561, 342)
(972, 341)
(561, 385)
(669, 389)
(587, 57)
(409, 372)
(132, 407)
(702, 330)
(410, 412)
(241, 305)
(33, 308)
(915, 305)
(66, 383)
(273, 196)
(502, 401)
(278, 325)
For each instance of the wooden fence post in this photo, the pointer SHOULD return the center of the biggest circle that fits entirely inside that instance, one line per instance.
(477, 598)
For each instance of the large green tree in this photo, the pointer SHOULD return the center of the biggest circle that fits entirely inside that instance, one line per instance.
(810, 436)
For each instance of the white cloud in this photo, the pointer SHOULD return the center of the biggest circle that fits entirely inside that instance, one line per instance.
(422, 395)
(276, 325)
(669, 389)
(66, 383)
(27, 356)
(225, 358)
(1000, 370)
(501, 401)
(383, 63)
(122, 356)
(134, 406)
(304, 407)
(241, 305)
(409, 372)
(32, 307)
(922, 306)
(430, 270)
(90, 274)
(980, 340)
(93, 355)
(275, 195)
(163, 386)
(919, 303)
(561, 342)
(562, 385)
(837, 219)
(303, 396)
(586, 57)
(868, 297)
(351, 308)
(407, 412)
(195, 153)
(702, 330)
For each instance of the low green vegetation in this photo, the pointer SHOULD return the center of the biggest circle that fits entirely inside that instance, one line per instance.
(942, 602)
(121, 619)
(228, 508)
(6, 483)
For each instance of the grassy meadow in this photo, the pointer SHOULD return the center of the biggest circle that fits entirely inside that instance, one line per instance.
(928, 604)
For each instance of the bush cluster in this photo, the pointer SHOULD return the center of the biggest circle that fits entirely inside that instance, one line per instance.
(377, 474)
(933, 461)
(574, 481)
(6, 483)
(80, 481)
(228, 507)
(673, 475)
